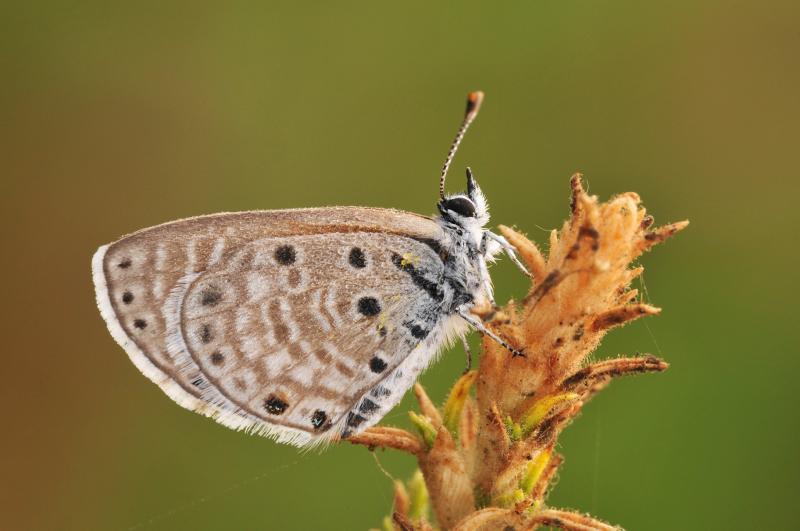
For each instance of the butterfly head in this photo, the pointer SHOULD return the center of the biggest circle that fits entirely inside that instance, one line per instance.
(468, 210)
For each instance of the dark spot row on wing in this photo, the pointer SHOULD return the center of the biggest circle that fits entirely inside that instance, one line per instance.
(286, 255)
(278, 406)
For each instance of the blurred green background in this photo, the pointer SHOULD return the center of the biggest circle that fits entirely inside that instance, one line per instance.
(115, 117)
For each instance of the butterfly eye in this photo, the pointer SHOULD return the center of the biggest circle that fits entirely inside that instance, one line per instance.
(461, 206)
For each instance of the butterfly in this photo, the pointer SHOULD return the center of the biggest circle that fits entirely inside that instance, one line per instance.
(305, 325)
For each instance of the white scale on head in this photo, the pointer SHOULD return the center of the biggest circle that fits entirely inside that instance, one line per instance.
(305, 325)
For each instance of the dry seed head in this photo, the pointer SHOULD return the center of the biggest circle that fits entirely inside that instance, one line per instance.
(488, 461)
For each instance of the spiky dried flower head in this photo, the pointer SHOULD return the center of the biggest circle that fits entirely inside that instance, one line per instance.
(487, 461)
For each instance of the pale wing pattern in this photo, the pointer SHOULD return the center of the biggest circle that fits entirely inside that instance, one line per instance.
(301, 331)
(135, 277)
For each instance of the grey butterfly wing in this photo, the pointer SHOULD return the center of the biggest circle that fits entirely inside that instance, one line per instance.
(141, 279)
(314, 335)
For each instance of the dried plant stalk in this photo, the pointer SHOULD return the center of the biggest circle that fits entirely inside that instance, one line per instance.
(487, 461)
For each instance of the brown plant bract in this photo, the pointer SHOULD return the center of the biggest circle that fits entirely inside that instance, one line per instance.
(487, 461)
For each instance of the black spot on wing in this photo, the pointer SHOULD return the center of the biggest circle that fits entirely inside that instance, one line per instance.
(141, 324)
(377, 365)
(318, 421)
(430, 287)
(368, 407)
(354, 420)
(210, 296)
(380, 392)
(127, 297)
(369, 306)
(285, 255)
(217, 358)
(125, 263)
(357, 258)
(416, 330)
(274, 405)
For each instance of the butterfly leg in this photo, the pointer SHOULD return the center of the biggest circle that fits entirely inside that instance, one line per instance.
(468, 351)
(478, 325)
(509, 249)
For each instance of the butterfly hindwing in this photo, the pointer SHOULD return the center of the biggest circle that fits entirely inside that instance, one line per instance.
(298, 331)
(153, 291)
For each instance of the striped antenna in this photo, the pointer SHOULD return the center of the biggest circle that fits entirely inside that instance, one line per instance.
(474, 100)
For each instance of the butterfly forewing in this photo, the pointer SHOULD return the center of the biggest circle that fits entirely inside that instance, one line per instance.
(299, 324)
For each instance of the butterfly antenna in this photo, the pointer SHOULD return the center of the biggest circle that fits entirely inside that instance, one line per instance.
(474, 100)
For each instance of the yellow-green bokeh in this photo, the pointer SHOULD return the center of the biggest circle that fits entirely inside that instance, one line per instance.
(118, 116)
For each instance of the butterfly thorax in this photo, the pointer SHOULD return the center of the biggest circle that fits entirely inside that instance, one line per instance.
(465, 271)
